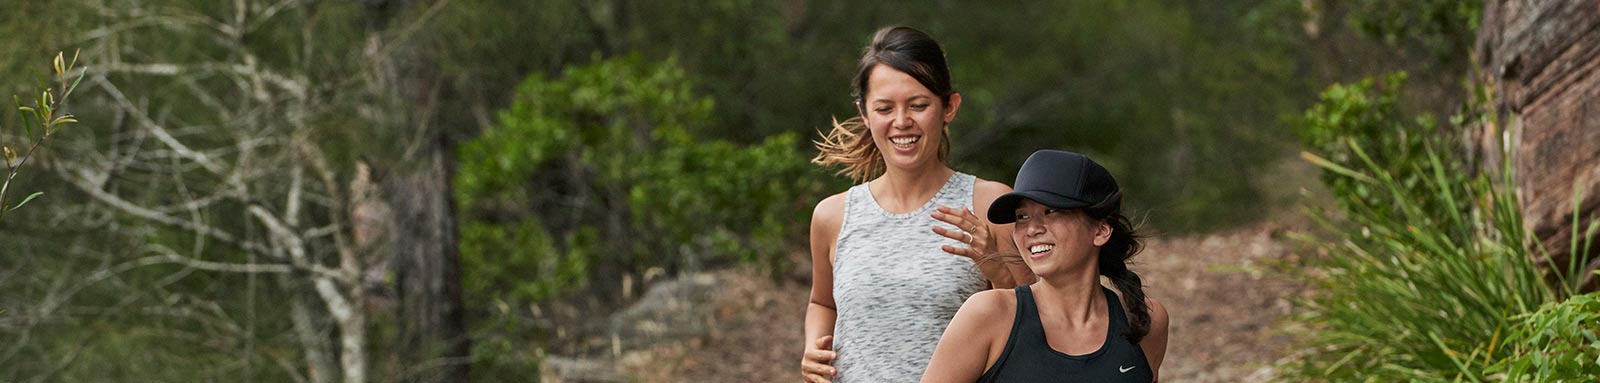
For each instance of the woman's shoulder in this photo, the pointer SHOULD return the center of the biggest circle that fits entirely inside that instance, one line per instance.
(994, 189)
(1158, 315)
(992, 303)
(829, 211)
(984, 192)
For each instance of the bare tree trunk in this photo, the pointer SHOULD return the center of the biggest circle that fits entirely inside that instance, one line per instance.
(1544, 58)
(427, 275)
(433, 344)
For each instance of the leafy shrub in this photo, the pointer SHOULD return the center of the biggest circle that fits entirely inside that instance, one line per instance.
(1427, 276)
(1558, 343)
(599, 172)
(597, 175)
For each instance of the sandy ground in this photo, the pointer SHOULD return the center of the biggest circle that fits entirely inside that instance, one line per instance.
(1225, 303)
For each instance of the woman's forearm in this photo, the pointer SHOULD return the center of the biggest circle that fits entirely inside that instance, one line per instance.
(819, 322)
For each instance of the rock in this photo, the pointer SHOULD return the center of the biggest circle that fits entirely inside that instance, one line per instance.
(1544, 58)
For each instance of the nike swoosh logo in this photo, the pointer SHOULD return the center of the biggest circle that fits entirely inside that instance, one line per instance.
(1125, 369)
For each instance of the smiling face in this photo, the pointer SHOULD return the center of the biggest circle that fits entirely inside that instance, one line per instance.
(906, 119)
(1053, 240)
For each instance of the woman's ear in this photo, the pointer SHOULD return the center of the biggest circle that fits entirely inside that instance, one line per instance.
(951, 107)
(1102, 233)
(860, 112)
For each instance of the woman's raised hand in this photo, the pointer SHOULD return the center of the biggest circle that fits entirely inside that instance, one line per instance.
(974, 232)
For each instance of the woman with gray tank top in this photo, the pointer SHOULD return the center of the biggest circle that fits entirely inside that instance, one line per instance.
(894, 257)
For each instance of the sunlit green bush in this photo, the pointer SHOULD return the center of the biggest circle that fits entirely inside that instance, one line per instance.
(596, 179)
(1426, 275)
(599, 171)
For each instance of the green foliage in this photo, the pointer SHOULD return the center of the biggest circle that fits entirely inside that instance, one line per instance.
(1361, 125)
(1558, 343)
(599, 171)
(1427, 276)
(1184, 97)
(598, 174)
(39, 121)
(1446, 28)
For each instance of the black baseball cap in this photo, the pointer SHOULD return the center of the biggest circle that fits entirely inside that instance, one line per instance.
(1058, 179)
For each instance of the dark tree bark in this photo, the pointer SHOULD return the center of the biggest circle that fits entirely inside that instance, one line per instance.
(1544, 58)
(427, 276)
(421, 244)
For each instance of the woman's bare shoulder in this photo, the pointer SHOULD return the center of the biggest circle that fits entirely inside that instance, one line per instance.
(829, 212)
(991, 304)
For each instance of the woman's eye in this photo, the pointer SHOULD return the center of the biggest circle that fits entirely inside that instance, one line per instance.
(1050, 211)
(883, 110)
(919, 106)
(1021, 216)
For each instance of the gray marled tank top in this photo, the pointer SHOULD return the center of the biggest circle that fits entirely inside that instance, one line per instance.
(894, 289)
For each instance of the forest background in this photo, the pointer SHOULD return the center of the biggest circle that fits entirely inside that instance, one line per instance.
(453, 190)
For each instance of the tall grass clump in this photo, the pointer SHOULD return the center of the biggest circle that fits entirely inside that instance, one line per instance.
(1424, 273)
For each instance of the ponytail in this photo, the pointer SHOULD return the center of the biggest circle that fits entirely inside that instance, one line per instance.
(849, 144)
(1113, 259)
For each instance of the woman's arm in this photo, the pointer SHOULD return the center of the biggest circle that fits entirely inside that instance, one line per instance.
(1155, 343)
(974, 339)
(816, 362)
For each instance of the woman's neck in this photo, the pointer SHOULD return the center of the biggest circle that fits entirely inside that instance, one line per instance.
(910, 188)
(1071, 295)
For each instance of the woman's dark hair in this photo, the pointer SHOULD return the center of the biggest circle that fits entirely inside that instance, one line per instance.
(1125, 242)
(905, 49)
(908, 50)
(1114, 256)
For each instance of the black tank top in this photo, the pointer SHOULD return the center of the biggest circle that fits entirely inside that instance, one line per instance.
(1029, 358)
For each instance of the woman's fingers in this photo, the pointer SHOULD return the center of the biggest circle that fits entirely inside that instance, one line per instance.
(821, 356)
(958, 235)
(960, 218)
(814, 378)
(814, 371)
(814, 366)
(961, 251)
(821, 370)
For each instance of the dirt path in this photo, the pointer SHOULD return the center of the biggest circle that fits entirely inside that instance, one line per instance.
(1224, 301)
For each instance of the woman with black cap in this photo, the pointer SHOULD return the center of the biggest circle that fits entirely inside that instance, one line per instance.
(894, 257)
(1066, 327)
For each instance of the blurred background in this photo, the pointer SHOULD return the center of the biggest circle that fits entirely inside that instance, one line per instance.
(611, 190)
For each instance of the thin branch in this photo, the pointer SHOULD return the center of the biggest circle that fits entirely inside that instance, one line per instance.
(156, 129)
(169, 256)
(116, 202)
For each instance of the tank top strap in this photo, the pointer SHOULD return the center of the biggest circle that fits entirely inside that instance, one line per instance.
(1027, 311)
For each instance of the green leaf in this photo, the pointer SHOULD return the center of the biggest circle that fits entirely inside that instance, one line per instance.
(1336, 168)
(25, 125)
(74, 86)
(25, 200)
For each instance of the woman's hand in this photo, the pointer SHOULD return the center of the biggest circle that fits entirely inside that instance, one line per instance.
(816, 366)
(974, 232)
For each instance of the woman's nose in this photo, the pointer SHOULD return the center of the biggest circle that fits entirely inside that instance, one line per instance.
(1029, 228)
